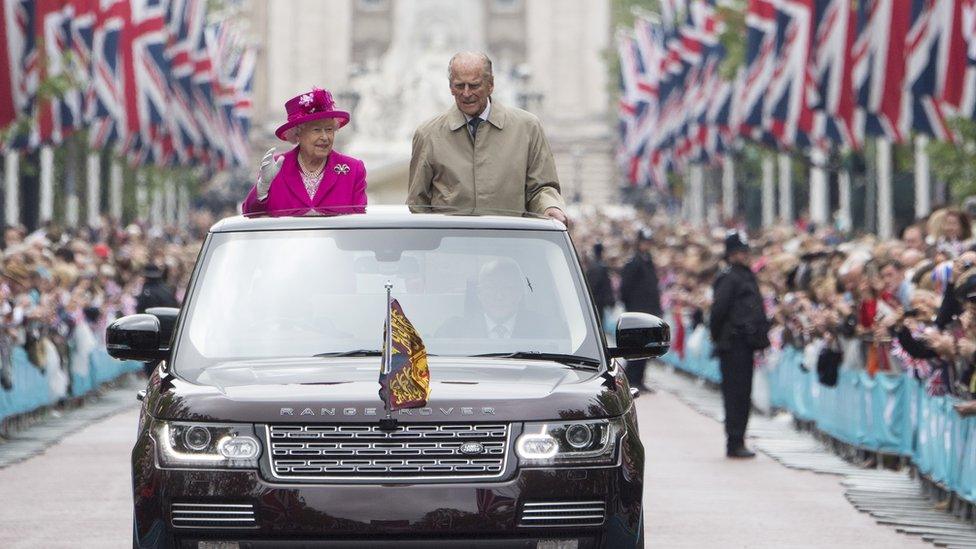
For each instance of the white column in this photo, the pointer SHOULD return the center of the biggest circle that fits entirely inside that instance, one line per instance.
(142, 196)
(819, 193)
(115, 191)
(728, 187)
(697, 184)
(169, 202)
(70, 186)
(886, 212)
(923, 188)
(46, 202)
(156, 206)
(785, 188)
(844, 199)
(11, 190)
(183, 206)
(94, 174)
(768, 191)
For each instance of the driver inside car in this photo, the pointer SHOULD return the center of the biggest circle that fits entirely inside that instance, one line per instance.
(501, 311)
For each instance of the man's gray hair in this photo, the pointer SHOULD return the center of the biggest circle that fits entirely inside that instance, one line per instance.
(483, 57)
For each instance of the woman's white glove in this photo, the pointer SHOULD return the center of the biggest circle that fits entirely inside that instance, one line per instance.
(270, 166)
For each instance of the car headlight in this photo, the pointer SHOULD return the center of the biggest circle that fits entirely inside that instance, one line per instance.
(198, 445)
(587, 442)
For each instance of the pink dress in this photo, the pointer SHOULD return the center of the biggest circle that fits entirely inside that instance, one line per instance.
(341, 190)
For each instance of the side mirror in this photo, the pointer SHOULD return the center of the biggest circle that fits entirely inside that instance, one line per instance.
(167, 324)
(135, 337)
(640, 335)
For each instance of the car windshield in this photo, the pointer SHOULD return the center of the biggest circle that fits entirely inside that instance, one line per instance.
(300, 293)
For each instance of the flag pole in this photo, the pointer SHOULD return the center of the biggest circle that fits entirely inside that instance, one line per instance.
(388, 350)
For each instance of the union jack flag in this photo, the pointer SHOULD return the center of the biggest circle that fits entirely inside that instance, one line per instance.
(203, 99)
(785, 111)
(16, 42)
(758, 71)
(926, 34)
(106, 105)
(241, 114)
(953, 63)
(146, 75)
(56, 115)
(884, 35)
(831, 66)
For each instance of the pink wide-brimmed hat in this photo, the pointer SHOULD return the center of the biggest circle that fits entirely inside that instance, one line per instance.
(314, 105)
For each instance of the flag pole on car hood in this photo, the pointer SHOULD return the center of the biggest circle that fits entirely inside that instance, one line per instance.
(388, 423)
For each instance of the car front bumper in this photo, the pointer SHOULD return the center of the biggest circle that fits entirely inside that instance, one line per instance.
(476, 515)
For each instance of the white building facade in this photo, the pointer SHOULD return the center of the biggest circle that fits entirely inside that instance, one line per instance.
(386, 60)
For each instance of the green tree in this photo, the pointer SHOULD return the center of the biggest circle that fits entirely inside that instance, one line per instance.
(623, 10)
(733, 37)
(954, 163)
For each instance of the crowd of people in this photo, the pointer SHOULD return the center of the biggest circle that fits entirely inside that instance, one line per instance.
(907, 304)
(60, 288)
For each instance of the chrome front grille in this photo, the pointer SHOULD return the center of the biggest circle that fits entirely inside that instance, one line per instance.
(563, 513)
(213, 515)
(412, 452)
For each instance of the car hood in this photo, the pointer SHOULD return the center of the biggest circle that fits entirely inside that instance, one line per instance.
(346, 390)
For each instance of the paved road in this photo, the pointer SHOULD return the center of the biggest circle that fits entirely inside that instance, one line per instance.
(76, 494)
(696, 498)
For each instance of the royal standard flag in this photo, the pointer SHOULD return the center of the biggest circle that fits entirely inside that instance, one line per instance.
(407, 383)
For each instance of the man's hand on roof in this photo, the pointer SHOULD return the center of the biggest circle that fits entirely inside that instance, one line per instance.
(558, 215)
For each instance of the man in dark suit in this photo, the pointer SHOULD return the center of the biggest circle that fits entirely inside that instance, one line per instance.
(155, 291)
(739, 328)
(501, 292)
(640, 293)
(598, 275)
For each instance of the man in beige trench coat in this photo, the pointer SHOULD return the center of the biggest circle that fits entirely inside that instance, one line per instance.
(481, 155)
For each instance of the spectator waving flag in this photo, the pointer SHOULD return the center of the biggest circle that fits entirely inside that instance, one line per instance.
(405, 377)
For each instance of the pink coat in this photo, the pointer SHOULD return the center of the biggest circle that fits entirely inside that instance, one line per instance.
(343, 184)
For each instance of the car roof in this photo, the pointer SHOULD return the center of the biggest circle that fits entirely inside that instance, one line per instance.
(385, 217)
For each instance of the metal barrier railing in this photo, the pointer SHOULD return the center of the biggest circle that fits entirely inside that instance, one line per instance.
(887, 413)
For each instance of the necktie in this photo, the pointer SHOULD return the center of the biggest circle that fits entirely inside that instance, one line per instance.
(473, 126)
(500, 331)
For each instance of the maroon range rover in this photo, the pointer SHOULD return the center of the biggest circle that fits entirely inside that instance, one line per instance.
(261, 426)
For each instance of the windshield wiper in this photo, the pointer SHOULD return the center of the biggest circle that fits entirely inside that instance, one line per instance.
(354, 352)
(537, 355)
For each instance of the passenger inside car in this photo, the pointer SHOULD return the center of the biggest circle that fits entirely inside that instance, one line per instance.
(500, 311)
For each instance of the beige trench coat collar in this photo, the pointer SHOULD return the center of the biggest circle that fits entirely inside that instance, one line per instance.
(496, 117)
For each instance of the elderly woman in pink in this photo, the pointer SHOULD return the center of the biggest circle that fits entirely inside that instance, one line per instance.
(311, 177)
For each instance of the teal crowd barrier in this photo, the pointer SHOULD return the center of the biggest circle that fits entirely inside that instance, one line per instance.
(695, 359)
(31, 390)
(889, 413)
